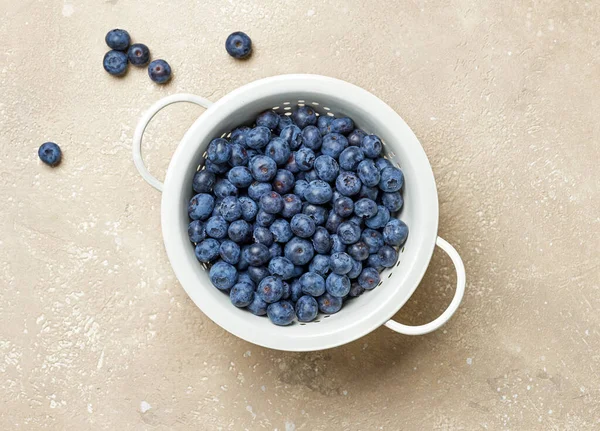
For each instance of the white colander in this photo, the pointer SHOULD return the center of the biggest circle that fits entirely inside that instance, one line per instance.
(327, 96)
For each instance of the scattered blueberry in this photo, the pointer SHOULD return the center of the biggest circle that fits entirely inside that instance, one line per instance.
(118, 39)
(219, 150)
(50, 153)
(138, 54)
(159, 71)
(359, 251)
(115, 63)
(238, 45)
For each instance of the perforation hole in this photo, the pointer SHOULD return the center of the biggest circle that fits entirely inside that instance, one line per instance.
(275, 108)
(286, 103)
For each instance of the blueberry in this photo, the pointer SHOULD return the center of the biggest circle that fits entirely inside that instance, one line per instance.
(373, 239)
(299, 251)
(216, 167)
(334, 144)
(279, 150)
(238, 136)
(138, 54)
(245, 277)
(216, 227)
(304, 116)
(196, 231)
(337, 285)
(283, 122)
(240, 176)
(392, 180)
(263, 168)
(224, 188)
(242, 294)
(324, 124)
(368, 192)
(326, 168)
(268, 119)
(240, 231)
(275, 250)
(230, 252)
(395, 232)
(230, 208)
(320, 265)
(207, 250)
(283, 182)
(343, 125)
(365, 208)
(340, 263)
(292, 205)
(316, 212)
(311, 175)
(223, 275)
(271, 203)
(388, 256)
(50, 153)
(356, 269)
(257, 307)
(281, 230)
(257, 189)
(249, 208)
(392, 201)
(258, 137)
(118, 39)
(343, 206)
(311, 137)
(238, 45)
(348, 232)
(305, 158)
(374, 261)
(356, 137)
(115, 63)
(348, 183)
(372, 146)
(262, 235)
(303, 226)
(281, 313)
(321, 240)
(333, 222)
(368, 173)
(270, 289)
(219, 150)
(239, 155)
(368, 278)
(201, 206)
(159, 71)
(356, 290)
(281, 267)
(292, 135)
(300, 187)
(257, 273)
(257, 254)
(350, 158)
(329, 304)
(359, 251)
(312, 284)
(382, 163)
(264, 218)
(291, 164)
(318, 192)
(203, 181)
(380, 219)
(307, 308)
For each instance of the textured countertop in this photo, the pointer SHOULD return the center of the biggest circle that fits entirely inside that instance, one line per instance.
(96, 332)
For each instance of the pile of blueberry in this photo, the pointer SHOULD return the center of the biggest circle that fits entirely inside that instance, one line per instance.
(296, 214)
(122, 53)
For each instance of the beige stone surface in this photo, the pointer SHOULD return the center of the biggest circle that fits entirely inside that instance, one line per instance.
(96, 332)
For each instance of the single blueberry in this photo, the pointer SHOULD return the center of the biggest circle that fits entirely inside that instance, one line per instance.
(329, 304)
(223, 275)
(271, 203)
(230, 252)
(264, 218)
(320, 265)
(219, 150)
(303, 226)
(240, 176)
(201, 206)
(340, 263)
(333, 222)
(268, 119)
(374, 261)
(343, 125)
(230, 208)
(356, 269)
(334, 144)
(388, 256)
(257, 307)
(249, 208)
(138, 54)
(311, 137)
(257, 273)
(312, 284)
(395, 232)
(238, 136)
(159, 71)
(241, 294)
(281, 267)
(327, 168)
(337, 285)
(283, 182)
(305, 159)
(115, 63)
(343, 206)
(380, 219)
(392, 180)
(299, 251)
(292, 135)
(196, 231)
(392, 201)
(304, 116)
(207, 250)
(356, 137)
(203, 181)
(238, 45)
(348, 183)
(318, 192)
(365, 208)
(300, 188)
(318, 213)
(368, 278)
(281, 313)
(321, 240)
(118, 39)
(279, 150)
(307, 308)
(382, 163)
(257, 254)
(263, 168)
(292, 205)
(368, 192)
(270, 289)
(262, 235)
(372, 146)
(257, 189)
(240, 231)
(50, 153)
(216, 227)
(350, 158)
(239, 155)
(373, 239)
(224, 188)
(368, 173)
(348, 232)
(281, 230)
(258, 137)
(356, 289)
(359, 251)
(324, 124)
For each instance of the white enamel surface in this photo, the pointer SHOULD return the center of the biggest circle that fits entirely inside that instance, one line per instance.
(358, 317)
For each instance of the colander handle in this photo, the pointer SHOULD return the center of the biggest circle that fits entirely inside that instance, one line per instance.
(461, 280)
(143, 123)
